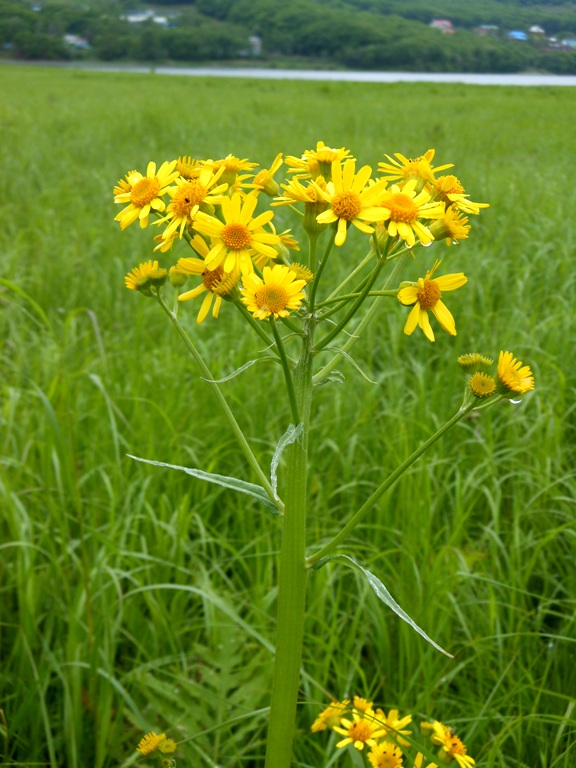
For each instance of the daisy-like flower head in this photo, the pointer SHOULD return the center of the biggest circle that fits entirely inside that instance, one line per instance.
(352, 200)
(405, 207)
(215, 282)
(451, 747)
(449, 190)
(394, 726)
(239, 237)
(311, 196)
(514, 377)
(482, 385)
(187, 167)
(452, 227)
(359, 731)
(189, 196)
(144, 276)
(232, 166)
(264, 179)
(386, 756)
(362, 705)
(302, 272)
(167, 746)
(277, 293)
(330, 716)
(316, 162)
(150, 743)
(472, 362)
(426, 296)
(143, 193)
(418, 169)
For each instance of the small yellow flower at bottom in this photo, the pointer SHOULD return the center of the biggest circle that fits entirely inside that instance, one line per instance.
(150, 743)
(513, 376)
(167, 746)
(426, 296)
(359, 731)
(386, 756)
(276, 293)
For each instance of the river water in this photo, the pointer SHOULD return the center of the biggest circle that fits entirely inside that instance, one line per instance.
(336, 76)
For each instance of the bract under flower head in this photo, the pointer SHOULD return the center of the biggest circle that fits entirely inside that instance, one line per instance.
(239, 237)
(426, 296)
(264, 179)
(352, 199)
(514, 377)
(277, 293)
(143, 193)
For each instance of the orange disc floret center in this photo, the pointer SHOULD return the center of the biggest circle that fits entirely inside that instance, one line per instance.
(401, 207)
(271, 298)
(211, 278)
(360, 731)
(346, 205)
(456, 747)
(144, 191)
(187, 197)
(428, 294)
(236, 236)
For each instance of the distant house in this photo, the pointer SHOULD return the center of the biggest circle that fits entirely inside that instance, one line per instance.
(137, 17)
(444, 25)
(487, 29)
(76, 42)
(569, 42)
(536, 31)
(517, 34)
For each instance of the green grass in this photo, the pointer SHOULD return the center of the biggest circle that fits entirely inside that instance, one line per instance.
(133, 599)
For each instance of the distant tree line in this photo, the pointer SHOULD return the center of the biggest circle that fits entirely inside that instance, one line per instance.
(358, 34)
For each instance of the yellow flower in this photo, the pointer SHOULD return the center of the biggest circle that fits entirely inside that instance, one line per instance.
(404, 207)
(359, 731)
(187, 197)
(311, 196)
(452, 227)
(232, 166)
(418, 169)
(187, 167)
(144, 276)
(316, 162)
(264, 179)
(362, 705)
(394, 726)
(418, 761)
(167, 746)
(150, 743)
(143, 193)
(386, 756)
(216, 283)
(239, 237)
(472, 362)
(302, 272)
(351, 200)
(330, 716)
(426, 296)
(448, 189)
(452, 747)
(277, 292)
(513, 376)
(482, 385)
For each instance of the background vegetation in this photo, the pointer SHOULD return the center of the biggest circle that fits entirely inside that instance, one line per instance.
(357, 34)
(134, 599)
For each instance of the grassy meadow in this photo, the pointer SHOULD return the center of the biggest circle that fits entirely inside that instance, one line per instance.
(133, 598)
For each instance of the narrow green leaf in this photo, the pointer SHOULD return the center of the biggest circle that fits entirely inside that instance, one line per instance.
(383, 594)
(240, 370)
(256, 491)
(290, 436)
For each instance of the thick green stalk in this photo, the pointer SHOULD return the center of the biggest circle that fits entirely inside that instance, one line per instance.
(292, 576)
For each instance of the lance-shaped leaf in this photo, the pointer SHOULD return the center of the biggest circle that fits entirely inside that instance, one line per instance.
(256, 491)
(383, 594)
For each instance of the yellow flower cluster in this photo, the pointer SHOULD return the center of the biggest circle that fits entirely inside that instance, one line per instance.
(362, 726)
(214, 206)
(513, 379)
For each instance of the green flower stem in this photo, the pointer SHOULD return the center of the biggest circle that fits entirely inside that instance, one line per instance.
(329, 367)
(351, 276)
(314, 286)
(348, 296)
(292, 575)
(287, 372)
(381, 490)
(252, 460)
(257, 325)
(353, 309)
